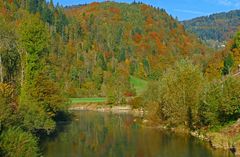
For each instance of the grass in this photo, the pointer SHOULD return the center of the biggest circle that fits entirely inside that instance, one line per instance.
(139, 84)
(87, 100)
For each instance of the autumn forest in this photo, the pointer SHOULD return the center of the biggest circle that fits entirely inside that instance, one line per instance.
(50, 54)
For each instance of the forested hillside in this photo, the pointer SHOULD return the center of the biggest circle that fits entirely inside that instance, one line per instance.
(215, 29)
(136, 38)
(49, 54)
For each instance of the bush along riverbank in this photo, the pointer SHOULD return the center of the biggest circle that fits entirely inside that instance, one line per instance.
(184, 100)
(226, 138)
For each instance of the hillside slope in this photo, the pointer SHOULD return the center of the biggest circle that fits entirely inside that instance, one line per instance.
(217, 27)
(145, 39)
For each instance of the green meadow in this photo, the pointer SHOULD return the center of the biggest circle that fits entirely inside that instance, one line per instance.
(139, 84)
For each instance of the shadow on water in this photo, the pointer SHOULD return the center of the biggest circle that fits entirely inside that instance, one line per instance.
(93, 134)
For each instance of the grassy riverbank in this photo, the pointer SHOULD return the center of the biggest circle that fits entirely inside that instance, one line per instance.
(140, 86)
(226, 137)
(87, 100)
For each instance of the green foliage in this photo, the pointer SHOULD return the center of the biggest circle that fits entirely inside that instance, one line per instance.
(114, 89)
(139, 84)
(230, 105)
(30, 98)
(210, 100)
(237, 40)
(228, 63)
(183, 98)
(34, 40)
(180, 92)
(9, 55)
(14, 142)
(6, 109)
(44, 103)
(37, 91)
(116, 86)
(87, 100)
(175, 98)
(33, 36)
(41, 123)
(220, 102)
(151, 101)
(48, 94)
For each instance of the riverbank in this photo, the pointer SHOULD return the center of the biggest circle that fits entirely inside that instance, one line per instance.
(102, 107)
(226, 139)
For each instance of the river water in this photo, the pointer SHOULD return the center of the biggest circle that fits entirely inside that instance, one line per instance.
(94, 134)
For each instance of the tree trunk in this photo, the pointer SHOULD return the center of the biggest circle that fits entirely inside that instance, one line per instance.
(1, 70)
(22, 66)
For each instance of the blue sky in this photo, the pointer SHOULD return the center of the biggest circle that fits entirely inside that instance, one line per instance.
(183, 9)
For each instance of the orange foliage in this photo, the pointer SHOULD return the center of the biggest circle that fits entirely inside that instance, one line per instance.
(144, 7)
(114, 10)
(91, 10)
(94, 4)
(161, 47)
(92, 7)
(144, 46)
(149, 20)
(137, 38)
(153, 35)
(4, 10)
(107, 55)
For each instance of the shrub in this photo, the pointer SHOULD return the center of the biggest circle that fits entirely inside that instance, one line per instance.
(16, 143)
(220, 102)
(180, 89)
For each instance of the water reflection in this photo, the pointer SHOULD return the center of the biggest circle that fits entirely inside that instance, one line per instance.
(94, 134)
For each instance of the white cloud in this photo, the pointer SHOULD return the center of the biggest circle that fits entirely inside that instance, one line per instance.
(232, 3)
(191, 11)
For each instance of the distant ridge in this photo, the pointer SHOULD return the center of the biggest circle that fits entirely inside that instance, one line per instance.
(217, 27)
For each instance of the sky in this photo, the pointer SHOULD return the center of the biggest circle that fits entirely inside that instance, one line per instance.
(182, 9)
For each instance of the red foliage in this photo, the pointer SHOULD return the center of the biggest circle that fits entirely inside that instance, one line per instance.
(128, 94)
(153, 35)
(107, 55)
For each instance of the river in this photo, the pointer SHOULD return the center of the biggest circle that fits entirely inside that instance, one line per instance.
(95, 134)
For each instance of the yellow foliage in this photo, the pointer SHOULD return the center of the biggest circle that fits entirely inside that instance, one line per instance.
(127, 62)
(214, 69)
(6, 90)
(236, 56)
